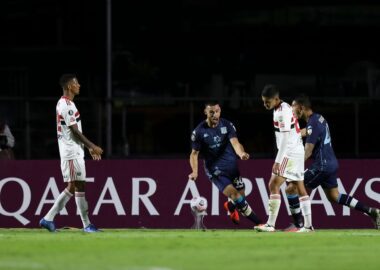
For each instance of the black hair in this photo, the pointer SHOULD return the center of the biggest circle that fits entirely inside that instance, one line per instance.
(303, 100)
(270, 91)
(65, 79)
(211, 103)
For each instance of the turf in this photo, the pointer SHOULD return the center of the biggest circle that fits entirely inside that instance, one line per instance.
(188, 249)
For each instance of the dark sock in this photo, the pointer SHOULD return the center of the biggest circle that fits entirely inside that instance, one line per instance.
(294, 205)
(349, 201)
(231, 206)
(244, 208)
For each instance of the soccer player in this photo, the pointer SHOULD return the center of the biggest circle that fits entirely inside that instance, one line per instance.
(289, 163)
(71, 142)
(215, 138)
(323, 170)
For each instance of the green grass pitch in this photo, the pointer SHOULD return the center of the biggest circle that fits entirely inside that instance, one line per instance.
(188, 249)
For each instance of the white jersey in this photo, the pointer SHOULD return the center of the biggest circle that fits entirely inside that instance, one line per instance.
(68, 115)
(285, 121)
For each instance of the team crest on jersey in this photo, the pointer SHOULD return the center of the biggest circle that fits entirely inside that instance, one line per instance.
(205, 135)
(71, 112)
(223, 130)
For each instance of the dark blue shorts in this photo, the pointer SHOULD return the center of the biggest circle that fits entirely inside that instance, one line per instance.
(221, 181)
(314, 178)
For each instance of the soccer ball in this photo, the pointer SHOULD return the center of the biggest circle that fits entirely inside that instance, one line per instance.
(198, 204)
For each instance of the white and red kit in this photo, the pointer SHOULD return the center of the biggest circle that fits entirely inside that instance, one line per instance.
(71, 150)
(291, 151)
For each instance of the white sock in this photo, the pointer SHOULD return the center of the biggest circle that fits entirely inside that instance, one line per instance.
(82, 206)
(305, 205)
(274, 206)
(58, 205)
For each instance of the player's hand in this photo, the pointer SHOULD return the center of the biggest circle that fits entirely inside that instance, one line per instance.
(244, 156)
(193, 176)
(96, 152)
(276, 168)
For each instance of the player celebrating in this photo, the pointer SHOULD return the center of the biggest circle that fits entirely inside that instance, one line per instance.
(289, 163)
(215, 138)
(70, 142)
(323, 170)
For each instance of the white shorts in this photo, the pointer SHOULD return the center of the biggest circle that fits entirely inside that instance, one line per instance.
(292, 168)
(73, 170)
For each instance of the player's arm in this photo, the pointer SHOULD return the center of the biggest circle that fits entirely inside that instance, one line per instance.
(94, 150)
(194, 165)
(239, 149)
(281, 151)
(308, 150)
(303, 132)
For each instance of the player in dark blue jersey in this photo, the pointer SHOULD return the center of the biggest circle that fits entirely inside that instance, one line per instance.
(323, 171)
(216, 140)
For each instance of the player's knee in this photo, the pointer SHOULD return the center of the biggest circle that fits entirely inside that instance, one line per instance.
(291, 189)
(79, 186)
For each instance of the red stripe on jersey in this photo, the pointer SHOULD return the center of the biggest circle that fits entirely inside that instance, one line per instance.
(60, 117)
(275, 123)
(77, 114)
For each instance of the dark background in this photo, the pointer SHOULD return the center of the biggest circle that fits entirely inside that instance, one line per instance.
(170, 57)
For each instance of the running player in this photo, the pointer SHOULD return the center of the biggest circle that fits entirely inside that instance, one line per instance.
(71, 142)
(215, 138)
(323, 170)
(289, 163)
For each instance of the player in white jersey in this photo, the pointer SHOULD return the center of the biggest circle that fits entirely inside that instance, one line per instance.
(289, 163)
(71, 142)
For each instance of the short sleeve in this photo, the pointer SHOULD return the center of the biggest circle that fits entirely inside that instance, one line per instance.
(231, 130)
(313, 133)
(195, 141)
(68, 114)
(285, 120)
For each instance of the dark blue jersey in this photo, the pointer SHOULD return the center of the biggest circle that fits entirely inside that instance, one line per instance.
(215, 147)
(318, 133)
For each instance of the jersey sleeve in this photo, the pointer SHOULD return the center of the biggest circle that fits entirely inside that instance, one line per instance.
(68, 114)
(285, 120)
(231, 130)
(313, 131)
(195, 141)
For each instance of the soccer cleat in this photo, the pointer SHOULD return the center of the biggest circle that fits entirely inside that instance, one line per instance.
(305, 230)
(375, 215)
(48, 225)
(264, 228)
(233, 215)
(91, 229)
(291, 228)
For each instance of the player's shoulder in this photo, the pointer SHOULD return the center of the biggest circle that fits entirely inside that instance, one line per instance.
(201, 126)
(283, 107)
(317, 119)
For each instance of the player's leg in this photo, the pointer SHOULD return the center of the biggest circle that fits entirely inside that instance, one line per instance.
(240, 202)
(274, 204)
(305, 206)
(48, 220)
(333, 195)
(294, 206)
(229, 205)
(80, 195)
